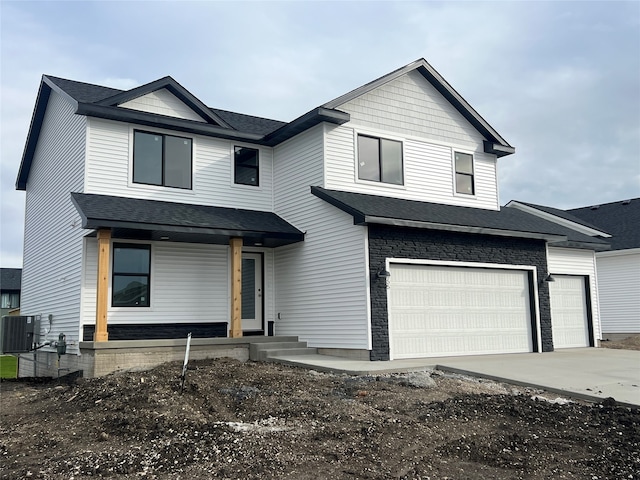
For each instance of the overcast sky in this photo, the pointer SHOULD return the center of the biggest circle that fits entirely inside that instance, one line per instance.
(560, 81)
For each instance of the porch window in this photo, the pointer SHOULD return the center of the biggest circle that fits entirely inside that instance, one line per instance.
(246, 166)
(464, 173)
(131, 275)
(162, 160)
(380, 160)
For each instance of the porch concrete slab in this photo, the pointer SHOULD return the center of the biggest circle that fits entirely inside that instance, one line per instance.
(587, 373)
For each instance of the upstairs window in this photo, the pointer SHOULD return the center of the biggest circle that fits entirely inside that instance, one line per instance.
(162, 160)
(131, 275)
(464, 173)
(379, 160)
(246, 166)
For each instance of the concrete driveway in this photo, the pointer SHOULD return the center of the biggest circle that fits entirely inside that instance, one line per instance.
(587, 373)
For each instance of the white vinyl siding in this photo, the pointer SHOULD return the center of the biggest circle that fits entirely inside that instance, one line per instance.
(619, 284)
(321, 291)
(440, 310)
(573, 261)
(162, 102)
(189, 284)
(428, 168)
(109, 170)
(51, 277)
(410, 106)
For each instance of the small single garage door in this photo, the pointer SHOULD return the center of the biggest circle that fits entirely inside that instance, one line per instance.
(444, 310)
(569, 318)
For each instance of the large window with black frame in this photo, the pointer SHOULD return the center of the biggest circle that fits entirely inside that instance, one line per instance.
(164, 160)
(131, 278)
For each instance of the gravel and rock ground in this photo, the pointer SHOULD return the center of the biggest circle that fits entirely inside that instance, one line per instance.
(255, 420)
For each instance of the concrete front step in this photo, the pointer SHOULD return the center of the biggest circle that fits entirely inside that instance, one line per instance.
(267, 355)
(261, 351)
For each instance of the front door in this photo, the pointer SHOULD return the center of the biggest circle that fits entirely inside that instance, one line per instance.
(252, 292)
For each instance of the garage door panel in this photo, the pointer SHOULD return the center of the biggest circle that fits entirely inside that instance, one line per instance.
(569, 316)
(441, 310)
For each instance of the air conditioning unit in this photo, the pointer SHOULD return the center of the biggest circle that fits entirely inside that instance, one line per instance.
(18, 334)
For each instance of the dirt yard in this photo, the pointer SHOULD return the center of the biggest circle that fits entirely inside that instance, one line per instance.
(267, 421)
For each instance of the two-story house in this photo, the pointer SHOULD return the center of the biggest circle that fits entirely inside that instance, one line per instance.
(370, 226)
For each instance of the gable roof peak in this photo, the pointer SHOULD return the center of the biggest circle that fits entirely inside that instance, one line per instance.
(494, 142)
(170, 84)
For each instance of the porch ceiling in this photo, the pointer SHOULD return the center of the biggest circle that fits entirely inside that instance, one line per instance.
(134, 218)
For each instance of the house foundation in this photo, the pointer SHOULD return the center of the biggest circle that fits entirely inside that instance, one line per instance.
(98, 359)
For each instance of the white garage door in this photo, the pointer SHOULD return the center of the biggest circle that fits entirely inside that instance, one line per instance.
(569, 319)
(442, 310)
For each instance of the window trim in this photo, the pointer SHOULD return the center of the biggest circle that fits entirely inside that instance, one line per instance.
(456, 173)
(378, 137)
(138, 246)
(163, 135)
(233, 166)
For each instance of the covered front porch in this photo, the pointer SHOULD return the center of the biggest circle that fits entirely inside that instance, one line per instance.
(155, 270)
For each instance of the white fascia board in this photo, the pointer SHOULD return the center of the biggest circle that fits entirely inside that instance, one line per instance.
(464, 228)
(559, 220)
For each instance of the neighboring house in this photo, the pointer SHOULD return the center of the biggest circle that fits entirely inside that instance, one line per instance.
(10, 279)
(370, 226)
(619, 268)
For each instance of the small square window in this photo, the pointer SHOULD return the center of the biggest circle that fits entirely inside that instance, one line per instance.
(379, 160)
(464, 173)
(246, 166)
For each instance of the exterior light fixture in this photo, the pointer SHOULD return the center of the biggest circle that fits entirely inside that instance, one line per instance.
(382, 273)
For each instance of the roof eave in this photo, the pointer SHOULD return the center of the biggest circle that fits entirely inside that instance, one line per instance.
(464, 229)
(358, 216)
(498, 149)
(597, 247)
(42, 100)
(305, 122)
(97, 223)
(565, 222)
(161, 121)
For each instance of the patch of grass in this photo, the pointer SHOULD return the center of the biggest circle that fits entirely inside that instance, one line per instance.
(8, 366)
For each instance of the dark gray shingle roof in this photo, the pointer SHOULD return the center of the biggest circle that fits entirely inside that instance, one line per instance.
(10, 278)
(563, 214)
(89, 93)
(620, 219)
(84, 92)
(506, 219)
(249, 123)
(199, 221)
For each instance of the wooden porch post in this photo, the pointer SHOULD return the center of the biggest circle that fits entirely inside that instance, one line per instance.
(235, 330)
(102, 292)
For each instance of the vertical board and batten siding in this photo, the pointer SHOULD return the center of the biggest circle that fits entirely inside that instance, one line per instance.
(52, 268)
(109, 163)
(428, 172)
(321, 291)
(189, 284)
(162, 102)
(619, 284)
(572, 261)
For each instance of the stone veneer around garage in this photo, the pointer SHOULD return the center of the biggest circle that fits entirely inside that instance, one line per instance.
(412, 243)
